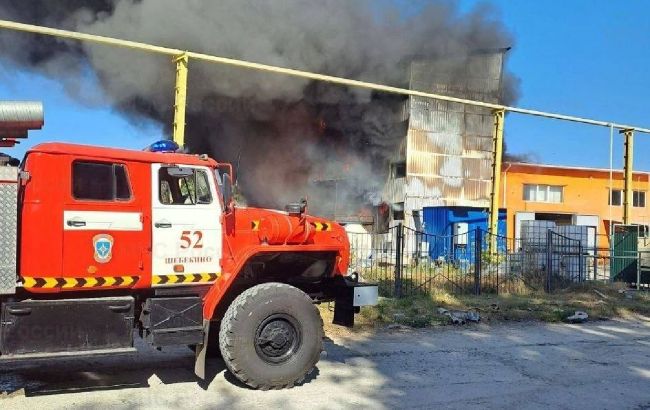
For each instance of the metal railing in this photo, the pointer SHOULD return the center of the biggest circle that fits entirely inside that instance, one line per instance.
(406, 262)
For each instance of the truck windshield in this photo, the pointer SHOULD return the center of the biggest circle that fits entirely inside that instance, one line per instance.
(187, 189)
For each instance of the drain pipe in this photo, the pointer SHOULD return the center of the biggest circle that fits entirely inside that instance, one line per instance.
(505, 185)
(505, 194)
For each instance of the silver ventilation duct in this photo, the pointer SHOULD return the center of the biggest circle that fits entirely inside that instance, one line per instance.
(18, 117)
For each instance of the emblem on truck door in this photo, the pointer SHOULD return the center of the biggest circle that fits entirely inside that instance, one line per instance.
(103, 246)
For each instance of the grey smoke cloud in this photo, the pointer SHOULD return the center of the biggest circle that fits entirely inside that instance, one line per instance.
(282, 132)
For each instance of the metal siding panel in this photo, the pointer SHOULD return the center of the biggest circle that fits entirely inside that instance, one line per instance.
(395, 190)
(439, 226)
(436, 225)
(436, 220)
(8, 229)
(449, 158)
(419, 203)
(478, 143)
(479, 124)
(478, 191)
(437, 121)
(476, 168)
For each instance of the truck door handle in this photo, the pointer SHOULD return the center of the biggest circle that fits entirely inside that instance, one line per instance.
(19, 311)
(120, 308)
(163, 225)
(76, 223)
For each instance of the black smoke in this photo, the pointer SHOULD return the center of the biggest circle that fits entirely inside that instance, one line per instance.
(282, 133)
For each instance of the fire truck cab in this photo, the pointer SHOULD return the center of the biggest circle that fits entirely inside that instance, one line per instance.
(99, 242)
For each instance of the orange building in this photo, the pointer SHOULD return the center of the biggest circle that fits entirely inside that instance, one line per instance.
(570, 195)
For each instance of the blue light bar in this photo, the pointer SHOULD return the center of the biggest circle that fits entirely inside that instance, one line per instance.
(163, 146)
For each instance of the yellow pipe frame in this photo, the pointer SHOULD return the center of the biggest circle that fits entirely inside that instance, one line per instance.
(134, 45)
(628, 193)
(497, 155)
(180, 99)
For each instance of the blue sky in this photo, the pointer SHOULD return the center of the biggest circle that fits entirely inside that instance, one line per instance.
(589, 58)
(69, 120)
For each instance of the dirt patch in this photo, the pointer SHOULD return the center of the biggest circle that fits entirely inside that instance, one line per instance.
(600, 301)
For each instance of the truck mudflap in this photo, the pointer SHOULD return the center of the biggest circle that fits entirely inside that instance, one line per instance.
(349, 296)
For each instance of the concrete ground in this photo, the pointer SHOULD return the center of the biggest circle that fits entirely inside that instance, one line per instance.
(601, 365)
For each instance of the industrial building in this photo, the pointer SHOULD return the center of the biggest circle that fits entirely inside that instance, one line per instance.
(571, 196)
(445, 159)
(559, 196)
(439, 180)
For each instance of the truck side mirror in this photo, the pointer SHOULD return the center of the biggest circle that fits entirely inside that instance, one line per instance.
(226, 190)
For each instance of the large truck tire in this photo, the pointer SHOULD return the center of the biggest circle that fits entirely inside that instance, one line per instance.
(271, 336)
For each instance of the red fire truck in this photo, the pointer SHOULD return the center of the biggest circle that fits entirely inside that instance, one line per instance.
(100, 242)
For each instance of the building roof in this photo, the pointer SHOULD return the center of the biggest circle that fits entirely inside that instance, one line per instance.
(121, 154)
(506, 164)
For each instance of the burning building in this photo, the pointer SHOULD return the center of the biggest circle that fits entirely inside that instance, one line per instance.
(442, 151)
(445, 158)
(290, 138)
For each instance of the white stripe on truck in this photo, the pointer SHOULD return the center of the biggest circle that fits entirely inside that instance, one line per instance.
(97, 220)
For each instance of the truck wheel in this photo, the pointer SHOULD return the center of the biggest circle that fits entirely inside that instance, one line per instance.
(271, 336)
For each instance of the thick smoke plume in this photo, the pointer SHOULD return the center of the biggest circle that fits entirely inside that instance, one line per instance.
(282, 133)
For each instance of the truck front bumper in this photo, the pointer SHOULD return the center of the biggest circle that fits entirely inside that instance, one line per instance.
(349, 295)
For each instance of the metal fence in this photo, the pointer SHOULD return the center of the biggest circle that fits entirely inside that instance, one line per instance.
(565, 261)
(406, 262)
(630, 256)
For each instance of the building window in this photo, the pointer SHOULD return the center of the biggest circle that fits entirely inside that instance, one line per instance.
(398, 169)
(638, 198)
(616, 198)
(398, 211)
(543, 193)
(100, 181)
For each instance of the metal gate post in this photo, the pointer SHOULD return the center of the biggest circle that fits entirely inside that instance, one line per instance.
(638, 270)
(581, 264)
(399, 239)
(180, 99)
(549, 259)
(478, 249)
(628, 165)
(596, 263)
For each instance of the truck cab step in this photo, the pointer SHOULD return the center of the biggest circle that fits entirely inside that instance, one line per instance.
(67, 355)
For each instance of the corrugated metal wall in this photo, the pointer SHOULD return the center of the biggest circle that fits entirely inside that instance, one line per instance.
(449, 145)
(440, 220)
(439, 226)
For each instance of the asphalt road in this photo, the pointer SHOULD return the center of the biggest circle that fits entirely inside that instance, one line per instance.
(597, 365)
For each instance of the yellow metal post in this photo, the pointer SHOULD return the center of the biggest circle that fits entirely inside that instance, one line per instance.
(180, 99)
(628, 169)
(497, 152)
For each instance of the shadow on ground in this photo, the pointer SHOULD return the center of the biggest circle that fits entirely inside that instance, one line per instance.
(602, 365)
(139, 370)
